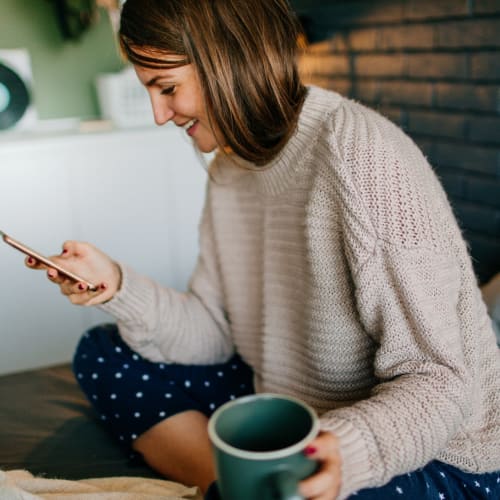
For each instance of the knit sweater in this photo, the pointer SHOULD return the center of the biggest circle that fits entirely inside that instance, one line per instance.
(339, 274)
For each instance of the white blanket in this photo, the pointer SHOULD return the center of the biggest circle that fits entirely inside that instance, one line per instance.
(22, 485)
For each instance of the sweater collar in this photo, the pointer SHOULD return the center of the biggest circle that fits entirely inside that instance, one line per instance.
(278, 174)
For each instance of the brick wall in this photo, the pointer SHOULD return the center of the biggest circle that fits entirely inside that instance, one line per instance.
(433, 67)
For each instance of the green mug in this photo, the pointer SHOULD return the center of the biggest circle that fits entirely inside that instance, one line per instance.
(258, 444)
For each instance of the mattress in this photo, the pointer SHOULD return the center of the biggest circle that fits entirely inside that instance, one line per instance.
(48, 428)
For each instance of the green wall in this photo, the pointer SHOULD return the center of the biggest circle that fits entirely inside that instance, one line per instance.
(63, 71)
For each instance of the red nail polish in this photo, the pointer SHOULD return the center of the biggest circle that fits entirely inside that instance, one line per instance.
(103, 286)
(64, 251)
(81, 286)
(31, 260)
(310, 450)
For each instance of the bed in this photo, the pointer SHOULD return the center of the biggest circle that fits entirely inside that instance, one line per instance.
(48, 428)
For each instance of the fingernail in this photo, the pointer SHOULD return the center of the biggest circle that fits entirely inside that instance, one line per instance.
(51, 275)
(310, 450)
(81, 286)
(64, 251)
(31, 260)
(103, 286)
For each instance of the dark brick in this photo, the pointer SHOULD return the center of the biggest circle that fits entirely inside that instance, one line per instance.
(379, 65)
(333, 44)
(412, 36)
(467, 157)
(362, 39)
(396, 115)
(484, 220)
(453, 183)
(436, 124)
(425, 145)
(486, 6)
(467, 96)
(485, 253)
(453, 66)
(469, 33)
(485, 66)
(431, 9)
(485, 129)
(483, 190)
(405, 93)
(324, 64)
(366, 91)
(352, 13)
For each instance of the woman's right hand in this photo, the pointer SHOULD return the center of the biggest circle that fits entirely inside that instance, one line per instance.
(89, 262)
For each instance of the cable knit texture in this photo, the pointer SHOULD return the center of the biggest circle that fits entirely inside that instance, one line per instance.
(340, 275)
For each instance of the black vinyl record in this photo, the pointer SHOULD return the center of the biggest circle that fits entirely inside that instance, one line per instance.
(18, 98)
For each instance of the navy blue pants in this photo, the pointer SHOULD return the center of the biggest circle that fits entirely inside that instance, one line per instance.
(131, 394)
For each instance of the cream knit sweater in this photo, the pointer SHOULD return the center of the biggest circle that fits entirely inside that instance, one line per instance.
(340, 275)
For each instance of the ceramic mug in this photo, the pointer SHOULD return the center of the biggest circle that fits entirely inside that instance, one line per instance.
(259, 443)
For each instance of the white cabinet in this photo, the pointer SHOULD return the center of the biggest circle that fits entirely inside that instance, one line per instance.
(136, 194)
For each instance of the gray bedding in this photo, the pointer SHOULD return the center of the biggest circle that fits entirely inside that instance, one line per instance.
(48, 427)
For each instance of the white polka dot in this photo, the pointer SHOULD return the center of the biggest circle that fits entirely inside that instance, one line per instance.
(135, 357)
(121, 438)
(118, 375)
(220, 374)
(133, 436)
(232, 396)
(162, 414)
(138, 394)
(117, 415)
(168, 395)
(207, 383)
(234, 367)
(187, 383)
(162, 366)
(94, 396)
(137, 414)
(211, 406)
(113, 396)
(100, 360)
(103, 417)
(80, 375)
(145, 377)
(118, 349)
(95, 375)
(125, 366)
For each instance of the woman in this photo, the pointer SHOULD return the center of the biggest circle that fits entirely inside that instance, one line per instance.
(331, 268)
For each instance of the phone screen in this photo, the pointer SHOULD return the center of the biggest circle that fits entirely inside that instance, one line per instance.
(28, 251)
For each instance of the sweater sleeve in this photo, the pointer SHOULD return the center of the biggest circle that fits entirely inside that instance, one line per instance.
(163, 324)
(407, 282)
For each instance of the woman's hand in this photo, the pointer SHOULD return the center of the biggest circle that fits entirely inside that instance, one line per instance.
(325, 483)
(86, 261)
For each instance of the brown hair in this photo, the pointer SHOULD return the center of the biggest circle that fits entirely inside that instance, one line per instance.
(245, 54)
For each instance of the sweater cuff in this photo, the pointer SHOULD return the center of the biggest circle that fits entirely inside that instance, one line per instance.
(356, 472)
(133, 299)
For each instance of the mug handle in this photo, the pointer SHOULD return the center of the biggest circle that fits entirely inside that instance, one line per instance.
(284, 485)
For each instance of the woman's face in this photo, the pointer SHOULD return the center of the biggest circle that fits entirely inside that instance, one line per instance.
(176, 96)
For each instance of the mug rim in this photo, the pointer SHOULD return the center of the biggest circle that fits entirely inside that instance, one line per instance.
(262, 455)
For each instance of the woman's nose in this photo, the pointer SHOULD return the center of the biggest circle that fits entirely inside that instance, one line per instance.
(161, 111)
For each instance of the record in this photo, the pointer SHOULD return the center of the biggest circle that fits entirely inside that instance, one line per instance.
(14, 97)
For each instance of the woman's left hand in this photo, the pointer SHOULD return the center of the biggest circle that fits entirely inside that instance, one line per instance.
(325, 483)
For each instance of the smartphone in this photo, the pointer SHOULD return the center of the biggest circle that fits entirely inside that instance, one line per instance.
(28, 251)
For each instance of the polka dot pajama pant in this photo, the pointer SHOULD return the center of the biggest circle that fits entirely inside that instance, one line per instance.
(132, 394)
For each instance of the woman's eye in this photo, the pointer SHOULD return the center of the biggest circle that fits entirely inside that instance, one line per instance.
(168, 90)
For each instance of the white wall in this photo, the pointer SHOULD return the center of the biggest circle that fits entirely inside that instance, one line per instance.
(136, 194)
